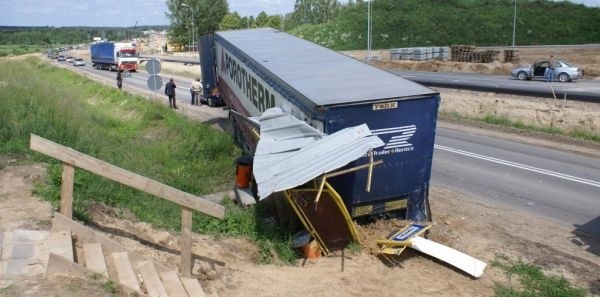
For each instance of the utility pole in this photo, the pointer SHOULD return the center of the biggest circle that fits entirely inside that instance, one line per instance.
(514, 24)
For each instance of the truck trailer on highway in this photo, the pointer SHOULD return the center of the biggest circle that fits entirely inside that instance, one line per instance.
(114, 56)
(257, 69)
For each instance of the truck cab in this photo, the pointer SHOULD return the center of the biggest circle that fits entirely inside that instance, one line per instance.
(126, 57)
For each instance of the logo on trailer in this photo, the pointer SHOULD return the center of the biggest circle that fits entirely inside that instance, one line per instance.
(399, 138)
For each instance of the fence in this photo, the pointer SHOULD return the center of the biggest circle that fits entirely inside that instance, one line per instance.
(188, 202)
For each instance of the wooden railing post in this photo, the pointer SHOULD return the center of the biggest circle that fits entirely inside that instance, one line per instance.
(66, 190)
(72, 158)
(186, 241)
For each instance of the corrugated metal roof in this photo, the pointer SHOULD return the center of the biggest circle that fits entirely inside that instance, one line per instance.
(291, 153)
(323, 76)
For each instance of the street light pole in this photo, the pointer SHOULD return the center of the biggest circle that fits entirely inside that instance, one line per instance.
(193, 26)
(514, 24)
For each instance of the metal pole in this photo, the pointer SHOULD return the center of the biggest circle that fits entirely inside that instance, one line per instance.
(193, 32)
(368, 31)
(514, 24)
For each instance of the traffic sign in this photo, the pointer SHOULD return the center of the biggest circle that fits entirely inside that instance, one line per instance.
(153, 66)
(154, 82)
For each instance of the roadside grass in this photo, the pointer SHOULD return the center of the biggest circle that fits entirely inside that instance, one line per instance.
(130, 132)
(506, 122)
(533, 282)
(18, 49)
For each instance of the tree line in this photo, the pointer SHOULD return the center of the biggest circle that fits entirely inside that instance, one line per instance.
(57, 36)
(396, 23)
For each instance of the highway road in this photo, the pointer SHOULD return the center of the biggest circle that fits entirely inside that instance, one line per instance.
(558, 185)
(561, 186)
(583, 90)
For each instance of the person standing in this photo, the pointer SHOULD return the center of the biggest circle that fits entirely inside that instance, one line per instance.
(195, 89)
(550, 69)
(170, 92)
(119, 79)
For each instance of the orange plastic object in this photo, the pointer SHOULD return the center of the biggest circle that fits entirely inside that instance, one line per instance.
(311, 250)
(242, 175)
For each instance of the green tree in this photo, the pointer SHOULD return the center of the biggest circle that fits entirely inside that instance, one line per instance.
(231, 21)
(207, 14)
(275, 21)
(315, 11)
(262, 20)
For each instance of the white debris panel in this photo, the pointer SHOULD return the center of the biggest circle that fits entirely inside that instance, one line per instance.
(290, 152)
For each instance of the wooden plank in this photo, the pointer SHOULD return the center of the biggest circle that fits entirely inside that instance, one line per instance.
(192, 287)
(94, 258)
(125, 177)
(186, 242)
(172, 284)
(151, 279)
(244, 196)
(449, 255)
(84, 233)
(59, 265)
(61, 244)
(66, 190)
(125, 274)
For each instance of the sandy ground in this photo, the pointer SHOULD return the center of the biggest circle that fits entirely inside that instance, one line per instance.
(227, 266)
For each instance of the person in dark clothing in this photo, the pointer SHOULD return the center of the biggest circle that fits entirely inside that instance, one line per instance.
(170, 92)
(119, 79)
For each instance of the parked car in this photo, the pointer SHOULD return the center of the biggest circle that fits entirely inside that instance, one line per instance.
(563, 71)
(69, 60)
(78, 62)
(60, 58)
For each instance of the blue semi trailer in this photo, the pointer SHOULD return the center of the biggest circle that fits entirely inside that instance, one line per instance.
(114, 56)
(257, 69)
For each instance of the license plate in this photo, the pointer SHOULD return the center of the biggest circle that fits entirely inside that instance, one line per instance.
(385, 105)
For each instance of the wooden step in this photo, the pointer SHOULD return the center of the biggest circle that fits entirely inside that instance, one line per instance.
(172, 284)
(151, 279)
(61, 243)
(125, 273)
(192, 287)
(94, 258)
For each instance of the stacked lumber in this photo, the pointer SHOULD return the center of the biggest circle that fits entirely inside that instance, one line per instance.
(468, 53)
(461, 53)
(511, 56)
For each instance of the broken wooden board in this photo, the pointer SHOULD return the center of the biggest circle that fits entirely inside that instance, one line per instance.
(449, 255)
(396, 243)
(328, 220)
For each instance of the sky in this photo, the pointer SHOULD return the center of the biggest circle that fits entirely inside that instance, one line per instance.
(125, 13)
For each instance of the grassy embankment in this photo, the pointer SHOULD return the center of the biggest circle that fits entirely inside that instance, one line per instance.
(138, 135)
(17, 50)
(508, 122)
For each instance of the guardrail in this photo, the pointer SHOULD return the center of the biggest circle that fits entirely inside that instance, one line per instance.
(72, 158)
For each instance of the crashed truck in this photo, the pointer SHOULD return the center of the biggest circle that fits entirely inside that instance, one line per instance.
(258, 69)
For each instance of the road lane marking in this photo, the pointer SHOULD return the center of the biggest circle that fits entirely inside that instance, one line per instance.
(521, 166)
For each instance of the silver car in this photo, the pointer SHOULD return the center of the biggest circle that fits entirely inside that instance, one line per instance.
(563, 71)
(78, 62)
